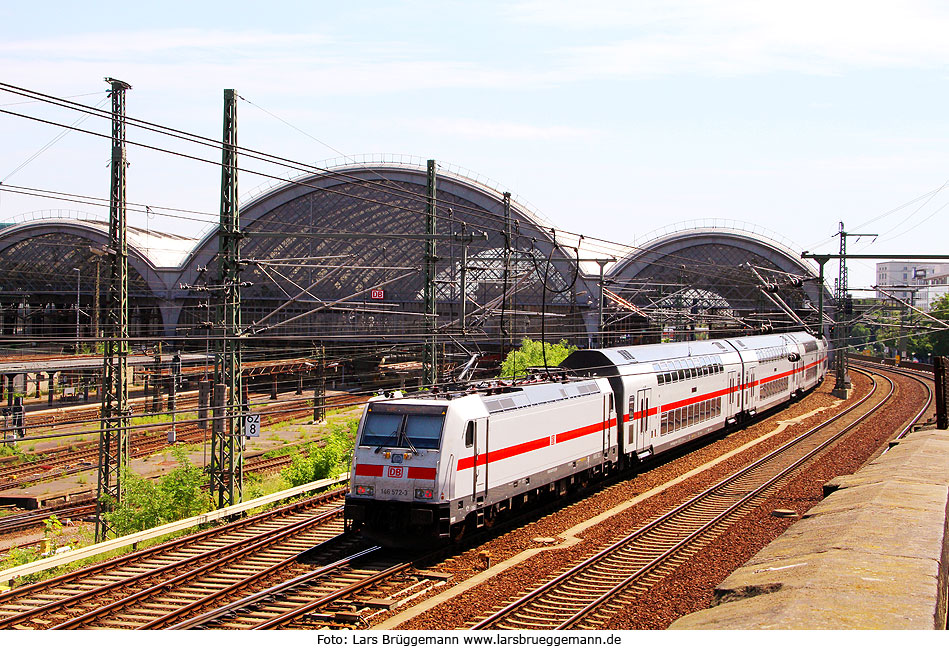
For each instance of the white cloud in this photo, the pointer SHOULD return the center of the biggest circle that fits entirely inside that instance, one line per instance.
(480, 129)
(147, 44)
(743, 37)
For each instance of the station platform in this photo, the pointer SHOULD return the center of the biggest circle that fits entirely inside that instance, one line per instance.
(872, 555)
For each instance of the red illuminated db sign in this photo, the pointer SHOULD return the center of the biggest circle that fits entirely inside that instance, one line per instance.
(378, 294)
(395, 472)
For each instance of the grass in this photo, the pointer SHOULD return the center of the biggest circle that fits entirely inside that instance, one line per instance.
(254, 487)
(138, 420)
(85, 537)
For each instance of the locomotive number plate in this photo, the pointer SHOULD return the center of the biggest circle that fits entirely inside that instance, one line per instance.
(394, 492)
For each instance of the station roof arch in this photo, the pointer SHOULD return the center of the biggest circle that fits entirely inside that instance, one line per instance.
(716, 264)
(40, 252)
(386, 196)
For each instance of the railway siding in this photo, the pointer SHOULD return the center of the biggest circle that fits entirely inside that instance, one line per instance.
(872, 555)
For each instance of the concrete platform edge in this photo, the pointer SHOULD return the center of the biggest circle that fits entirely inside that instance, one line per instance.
(872, 555)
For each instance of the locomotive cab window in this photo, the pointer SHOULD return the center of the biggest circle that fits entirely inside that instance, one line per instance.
(381, 429)
(425, 431)
(403, 426)
(469, 434)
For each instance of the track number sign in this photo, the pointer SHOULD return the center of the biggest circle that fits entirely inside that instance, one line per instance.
(252, 425)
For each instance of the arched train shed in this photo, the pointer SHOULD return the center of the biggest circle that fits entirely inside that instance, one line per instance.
(337, 255)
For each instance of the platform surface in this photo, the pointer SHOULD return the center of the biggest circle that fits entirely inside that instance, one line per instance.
(872, 555)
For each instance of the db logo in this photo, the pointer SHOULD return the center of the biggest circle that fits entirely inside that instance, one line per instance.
(378, 294)
(395, 472)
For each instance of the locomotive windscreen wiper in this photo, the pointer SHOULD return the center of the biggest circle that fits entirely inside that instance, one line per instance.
(408, 441)
(393, 435)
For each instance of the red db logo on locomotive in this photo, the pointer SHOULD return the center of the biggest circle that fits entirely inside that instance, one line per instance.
(395, 472)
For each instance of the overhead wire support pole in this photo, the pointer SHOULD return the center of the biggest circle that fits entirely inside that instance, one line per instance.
(506, 274)
(227, 467)
(429, 361)
(599, 316)
(823, 258)
(114, 416)
(842, 382)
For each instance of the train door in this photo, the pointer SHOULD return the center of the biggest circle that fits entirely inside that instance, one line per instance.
(480, 487)
(732, 406)
(749, 399)
(643, 398)
(609, 417)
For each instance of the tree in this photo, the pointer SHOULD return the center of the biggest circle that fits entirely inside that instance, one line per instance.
(940, 339)
(896, 332)
(860, 337)
(531, 354)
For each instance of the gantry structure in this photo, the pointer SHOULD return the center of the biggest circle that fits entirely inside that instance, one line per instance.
(336, 255)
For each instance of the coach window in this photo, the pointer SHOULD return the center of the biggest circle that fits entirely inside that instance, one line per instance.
(469, 434)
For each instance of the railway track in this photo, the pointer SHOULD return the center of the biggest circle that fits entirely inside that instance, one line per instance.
(119, 592)
(34, 518)
(86, 507)
(85, 455)
(589, 594)
(350, 587)
(343, 594)
(923, 378)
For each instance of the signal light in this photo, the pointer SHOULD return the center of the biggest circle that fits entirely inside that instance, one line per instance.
(424, 493)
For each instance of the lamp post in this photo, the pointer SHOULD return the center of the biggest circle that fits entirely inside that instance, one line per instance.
(78, 277)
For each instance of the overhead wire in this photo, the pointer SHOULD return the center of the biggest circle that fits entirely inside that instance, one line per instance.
(279, 160)
(414, 195)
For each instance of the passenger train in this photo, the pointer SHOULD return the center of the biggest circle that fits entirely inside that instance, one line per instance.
(427, 468)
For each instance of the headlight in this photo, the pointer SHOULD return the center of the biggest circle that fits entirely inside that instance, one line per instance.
(421, 493)
(364, 490)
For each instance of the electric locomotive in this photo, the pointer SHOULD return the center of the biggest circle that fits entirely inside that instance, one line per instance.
(426, 468)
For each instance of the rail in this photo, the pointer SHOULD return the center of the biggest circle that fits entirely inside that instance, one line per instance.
(54, 561)
(573, 596)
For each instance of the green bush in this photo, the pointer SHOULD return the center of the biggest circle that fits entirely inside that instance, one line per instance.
(327, 458)
(18, 556)
(146, 503)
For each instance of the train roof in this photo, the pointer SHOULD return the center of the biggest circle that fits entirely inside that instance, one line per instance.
(502, 396)
(533, 394)
(626, 360)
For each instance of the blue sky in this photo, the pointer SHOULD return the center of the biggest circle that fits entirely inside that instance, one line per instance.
(612, 119)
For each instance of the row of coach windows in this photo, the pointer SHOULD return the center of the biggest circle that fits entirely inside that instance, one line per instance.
(686, 416)
(774, 387)
(770, 354)
(681, 369)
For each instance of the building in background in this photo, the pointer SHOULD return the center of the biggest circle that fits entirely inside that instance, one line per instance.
(910, 281)
(935, 288)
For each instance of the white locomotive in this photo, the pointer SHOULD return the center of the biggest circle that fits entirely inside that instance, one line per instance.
(426, 468)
